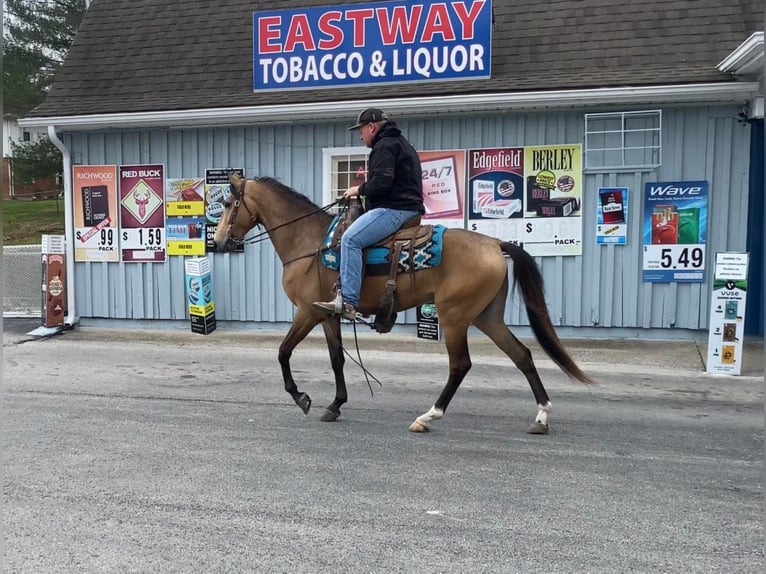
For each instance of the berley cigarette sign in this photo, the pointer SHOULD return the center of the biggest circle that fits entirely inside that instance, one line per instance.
(372, 43)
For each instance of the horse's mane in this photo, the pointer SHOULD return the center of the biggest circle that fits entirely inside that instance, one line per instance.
(287, 190)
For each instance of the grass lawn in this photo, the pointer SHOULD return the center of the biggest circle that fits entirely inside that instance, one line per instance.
(24, 221)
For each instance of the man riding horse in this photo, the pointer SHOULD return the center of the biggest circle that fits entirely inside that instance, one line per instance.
(394, 192)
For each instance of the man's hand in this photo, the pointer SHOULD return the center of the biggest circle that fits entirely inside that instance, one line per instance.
(351, 192)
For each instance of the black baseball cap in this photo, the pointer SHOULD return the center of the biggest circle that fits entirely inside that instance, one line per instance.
(370, 115)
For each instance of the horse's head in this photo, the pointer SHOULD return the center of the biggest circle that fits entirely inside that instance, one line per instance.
(238, 217)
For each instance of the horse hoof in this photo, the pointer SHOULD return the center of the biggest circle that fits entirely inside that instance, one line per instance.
(417, 426)
(329, 416)
(304, 402)
(537, 428)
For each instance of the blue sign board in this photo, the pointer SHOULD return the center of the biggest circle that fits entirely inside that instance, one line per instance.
(675, 231)
(372, 43)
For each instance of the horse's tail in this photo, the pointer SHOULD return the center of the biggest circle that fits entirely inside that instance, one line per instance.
(526, 274)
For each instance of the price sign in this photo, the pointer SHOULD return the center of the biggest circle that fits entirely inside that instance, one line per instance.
(147, 239)
(101, 238)
(686, 262)
(675, 229)
(142, 212)
(95, 213)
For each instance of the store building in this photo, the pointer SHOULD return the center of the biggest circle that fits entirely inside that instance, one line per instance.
(648, 100)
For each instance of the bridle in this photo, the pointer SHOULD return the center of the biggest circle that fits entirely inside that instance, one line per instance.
(254, 222)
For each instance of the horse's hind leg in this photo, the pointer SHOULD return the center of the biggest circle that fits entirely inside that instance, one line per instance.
(302, 324)
(456, 339)
(335, 346)
(491, 323)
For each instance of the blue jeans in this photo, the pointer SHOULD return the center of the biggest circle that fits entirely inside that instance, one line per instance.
(367, 230)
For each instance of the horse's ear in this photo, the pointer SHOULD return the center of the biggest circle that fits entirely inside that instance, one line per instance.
(237, 184)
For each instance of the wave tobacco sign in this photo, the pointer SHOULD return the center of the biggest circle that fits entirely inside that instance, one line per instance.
(372, 43)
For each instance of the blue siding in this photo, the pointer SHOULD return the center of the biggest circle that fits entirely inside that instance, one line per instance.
(601, 288)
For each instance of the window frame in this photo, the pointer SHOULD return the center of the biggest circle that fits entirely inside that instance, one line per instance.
(622, 117)
(331, 154)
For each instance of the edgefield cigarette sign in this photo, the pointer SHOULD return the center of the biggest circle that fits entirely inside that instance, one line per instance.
(372, 43)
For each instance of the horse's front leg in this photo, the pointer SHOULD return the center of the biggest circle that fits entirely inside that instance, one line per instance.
(337, 360)
(302, 324)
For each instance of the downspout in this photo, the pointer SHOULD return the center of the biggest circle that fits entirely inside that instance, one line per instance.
(71, 317)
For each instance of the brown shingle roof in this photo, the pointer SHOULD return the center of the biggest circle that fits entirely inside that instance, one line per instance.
(152, 55)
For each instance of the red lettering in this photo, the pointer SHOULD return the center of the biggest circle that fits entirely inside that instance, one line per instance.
(299, 33)
(399, 25)
(334, 32)
(268, 31)
(438, 22)
(359, 16)
(468, 19)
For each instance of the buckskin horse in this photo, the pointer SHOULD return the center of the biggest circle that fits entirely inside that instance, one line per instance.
(468, 286)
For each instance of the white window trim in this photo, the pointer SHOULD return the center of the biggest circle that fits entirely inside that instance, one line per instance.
(622, 117)
(327, 154)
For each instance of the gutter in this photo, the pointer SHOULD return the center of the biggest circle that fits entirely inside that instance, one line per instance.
(71, 317)
(721, 92)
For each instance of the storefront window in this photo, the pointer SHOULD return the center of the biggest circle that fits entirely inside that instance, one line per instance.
(343, 167)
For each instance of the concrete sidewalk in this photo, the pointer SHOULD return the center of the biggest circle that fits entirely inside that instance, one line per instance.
(596, 355)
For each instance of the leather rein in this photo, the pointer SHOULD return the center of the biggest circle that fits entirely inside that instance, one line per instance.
(264, 235)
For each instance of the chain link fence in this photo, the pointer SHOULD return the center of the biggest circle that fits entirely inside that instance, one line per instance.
(22, 280)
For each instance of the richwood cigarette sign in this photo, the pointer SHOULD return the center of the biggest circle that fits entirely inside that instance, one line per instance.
(372, 43)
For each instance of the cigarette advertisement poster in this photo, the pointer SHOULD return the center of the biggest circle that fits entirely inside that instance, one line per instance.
(185, 207)
(674, 231)
(552, 200)
(727, 314)
(217, 188)
(443, 182)
(95, 213)
(142, 213)
(612, 216)
(185, 196)
(495, 202)
(186, 235)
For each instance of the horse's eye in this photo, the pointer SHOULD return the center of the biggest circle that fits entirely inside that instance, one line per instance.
(226, 204)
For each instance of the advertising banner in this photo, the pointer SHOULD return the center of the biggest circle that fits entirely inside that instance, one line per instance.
(95, 213)
(199, 291)
(612, 216)
(142, 213)
(552, 199)
(54, 305)
(495, 202)
(443, 187)
(185, 208)
(185, 196)
(428, 322)
(675, 228)
(186, 235)
(727, 314)
(217, 188)
(372, 43)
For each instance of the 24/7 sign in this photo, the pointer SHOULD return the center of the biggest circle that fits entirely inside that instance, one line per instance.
(675, 229)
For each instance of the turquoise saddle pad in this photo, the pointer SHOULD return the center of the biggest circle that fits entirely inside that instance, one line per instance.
(427, 255)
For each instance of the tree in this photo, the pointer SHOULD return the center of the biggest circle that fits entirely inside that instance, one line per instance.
(36, 37)
(35, 160)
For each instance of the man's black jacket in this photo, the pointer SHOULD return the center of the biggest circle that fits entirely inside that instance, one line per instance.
(394, 175)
